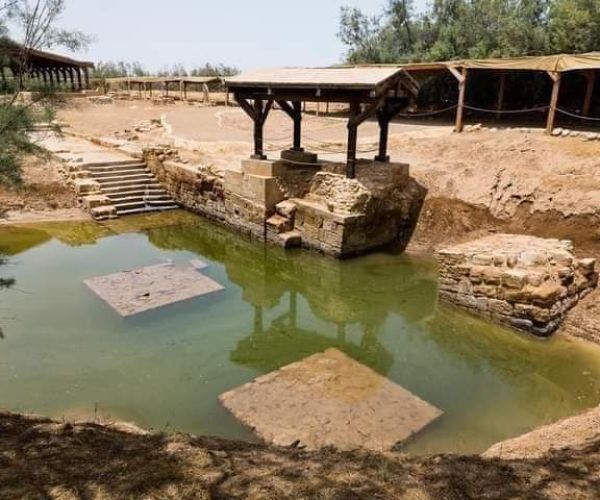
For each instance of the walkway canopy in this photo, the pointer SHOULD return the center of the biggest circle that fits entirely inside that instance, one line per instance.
(146, 83)
(43, 66)
(555, 66)
(369, 91)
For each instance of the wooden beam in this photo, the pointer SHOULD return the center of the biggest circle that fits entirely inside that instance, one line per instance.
(462, 90)
(246, 106)
(367, 112)
(501, 91)
(294, 111)
(556, 78)
(589, 92)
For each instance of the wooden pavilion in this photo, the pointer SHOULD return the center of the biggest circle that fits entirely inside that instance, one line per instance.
(146, 85)
(43, 67)
(369, 92)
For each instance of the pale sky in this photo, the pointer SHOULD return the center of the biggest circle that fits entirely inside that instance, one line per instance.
(246, 34)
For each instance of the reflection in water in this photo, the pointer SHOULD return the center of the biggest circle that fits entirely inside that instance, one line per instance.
(69, 352)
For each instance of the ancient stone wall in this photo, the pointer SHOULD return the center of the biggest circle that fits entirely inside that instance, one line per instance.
(524, 282)
(297, 201)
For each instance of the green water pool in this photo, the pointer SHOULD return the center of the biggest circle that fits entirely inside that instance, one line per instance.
(65, 353)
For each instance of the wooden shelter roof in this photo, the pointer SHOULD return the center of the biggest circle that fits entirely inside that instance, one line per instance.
(166, 79)
(14, 51)
(339, 78)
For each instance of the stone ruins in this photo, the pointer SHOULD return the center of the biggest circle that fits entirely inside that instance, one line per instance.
(300, 200)
(524, 282)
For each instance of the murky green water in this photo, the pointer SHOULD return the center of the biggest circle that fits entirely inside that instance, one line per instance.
(66, 353)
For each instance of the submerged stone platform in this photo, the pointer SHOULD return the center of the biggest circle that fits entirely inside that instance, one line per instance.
(329, 399)
(139, 290)
(524, 282)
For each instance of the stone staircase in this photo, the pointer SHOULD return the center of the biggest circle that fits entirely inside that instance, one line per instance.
(122, 187)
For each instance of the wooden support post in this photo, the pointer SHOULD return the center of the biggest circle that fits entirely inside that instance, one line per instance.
(589, 92)
(206, 94)
(501, 91)
(181, 93)
(166, 89)
(352, 140)
(51, 76)
(384, 127)
(79, 79)
(261, 111)
(86, 74)
(297, 126)
(462, 89)
(556, 78)
(72, 78)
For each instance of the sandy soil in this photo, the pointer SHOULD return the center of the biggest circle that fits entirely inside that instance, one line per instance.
(579, 431)
(42, 196)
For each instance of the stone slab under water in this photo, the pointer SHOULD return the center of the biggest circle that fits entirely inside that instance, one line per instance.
(329, 399)
(139, 290)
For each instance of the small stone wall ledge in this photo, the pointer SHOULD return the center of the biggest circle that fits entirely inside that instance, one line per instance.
(523, 282)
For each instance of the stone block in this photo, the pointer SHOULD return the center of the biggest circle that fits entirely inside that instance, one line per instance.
(264, 168)
(524, 282)
(286, 208)
(86, 186)
(95, 200)
(299, 156)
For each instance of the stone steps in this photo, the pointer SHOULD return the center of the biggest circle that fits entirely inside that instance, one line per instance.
(121, 174)
(122, 187)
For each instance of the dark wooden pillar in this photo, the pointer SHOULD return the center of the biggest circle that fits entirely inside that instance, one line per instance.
(259, 113)
(51, 76)
(79, 81)
(590, 77)
(72, 78)
(44, 72)
(86, 74)
(352, 140)
(297, 105)
(501, 92)
(384, 127)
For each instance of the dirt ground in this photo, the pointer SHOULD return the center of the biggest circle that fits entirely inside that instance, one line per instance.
(42, 195)
(40, 458)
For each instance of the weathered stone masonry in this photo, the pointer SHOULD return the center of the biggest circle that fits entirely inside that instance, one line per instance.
(520, 281)
(298, 201)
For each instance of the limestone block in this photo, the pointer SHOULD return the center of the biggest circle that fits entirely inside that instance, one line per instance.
(95, 200)
(264, 168)
(86, 186)
(525, 282)
(299, 156)
(291, 239)
(286, 208)
(263, 190)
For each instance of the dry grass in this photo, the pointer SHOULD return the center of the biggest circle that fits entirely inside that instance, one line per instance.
(44, 459)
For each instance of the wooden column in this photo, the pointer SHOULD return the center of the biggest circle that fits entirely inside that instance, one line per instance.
(556, 78)
(501, 91)
(297, 126)
(352, 140)
(166, 89)
(589, 92)
(79, 79)
(462, 90)
(205, 93)
(384, 127)
(72, 78)
(86, 74)
(181, 84)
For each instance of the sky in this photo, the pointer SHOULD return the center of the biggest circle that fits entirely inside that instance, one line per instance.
(243, 33)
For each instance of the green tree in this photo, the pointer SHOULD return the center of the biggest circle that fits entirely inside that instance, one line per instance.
(574, 25)
(35, 23)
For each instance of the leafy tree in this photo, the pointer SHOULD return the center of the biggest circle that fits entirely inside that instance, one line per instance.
(35, 22)
(457, 29)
